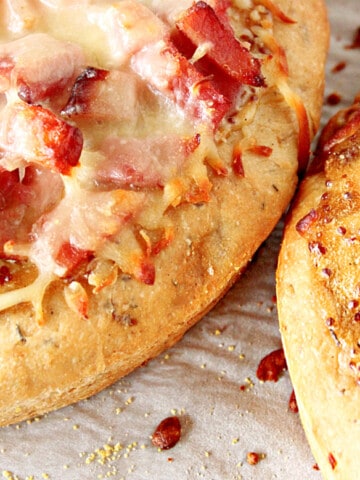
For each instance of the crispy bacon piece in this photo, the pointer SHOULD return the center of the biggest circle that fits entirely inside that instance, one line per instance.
(202, 26)
(221, 7)
(169, 72)
(33, 134)
(71, 257)
(217, 76)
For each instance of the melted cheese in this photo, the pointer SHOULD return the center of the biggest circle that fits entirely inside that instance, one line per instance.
(110, 34)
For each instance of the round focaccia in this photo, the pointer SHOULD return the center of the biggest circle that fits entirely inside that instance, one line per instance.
(318, 293)
(147, 150)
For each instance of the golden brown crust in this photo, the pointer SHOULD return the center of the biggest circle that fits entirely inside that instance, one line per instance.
(317, 292)
(69, 358)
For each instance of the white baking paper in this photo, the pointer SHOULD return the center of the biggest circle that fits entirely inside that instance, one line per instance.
(208, 379)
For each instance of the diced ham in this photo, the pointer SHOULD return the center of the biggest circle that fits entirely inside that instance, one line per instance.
(139, 162)
(104, 95)
(173, 75)
(129, 26)
(33, 134)
(39, 66)
(23, 199)
(79, 225)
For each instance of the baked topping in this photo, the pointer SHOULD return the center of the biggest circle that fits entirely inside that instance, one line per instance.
(107, 125)
(167, 433)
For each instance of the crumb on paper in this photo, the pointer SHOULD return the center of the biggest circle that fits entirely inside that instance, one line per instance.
(253, 458)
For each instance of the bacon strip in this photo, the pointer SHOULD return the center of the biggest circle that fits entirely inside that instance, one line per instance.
(201, 25)
(172, 74)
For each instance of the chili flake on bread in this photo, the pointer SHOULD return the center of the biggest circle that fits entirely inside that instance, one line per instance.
(146, 150)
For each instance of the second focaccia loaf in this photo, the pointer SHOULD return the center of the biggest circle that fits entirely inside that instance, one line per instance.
(318, 292)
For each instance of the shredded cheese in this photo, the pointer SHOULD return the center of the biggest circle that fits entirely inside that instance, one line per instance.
(140, 212)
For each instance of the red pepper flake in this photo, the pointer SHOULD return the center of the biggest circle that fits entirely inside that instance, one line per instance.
(326, 272)
(305, 223)
(167, 433)
(5, 275)
(330, 322)
(293, 407)
(237, 164)
(333, 99)
(261, 150)
(356, 40)
(271, 366)
(332, 461)
(339, 67)
(317, 248)
(353, 304)
(316, 467)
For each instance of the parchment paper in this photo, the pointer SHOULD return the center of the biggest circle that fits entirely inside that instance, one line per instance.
(208, 379)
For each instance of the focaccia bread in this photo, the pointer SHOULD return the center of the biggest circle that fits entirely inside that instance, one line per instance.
(318, 293)
(147, 149)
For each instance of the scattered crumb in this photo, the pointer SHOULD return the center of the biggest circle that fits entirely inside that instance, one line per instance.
(253, 458)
